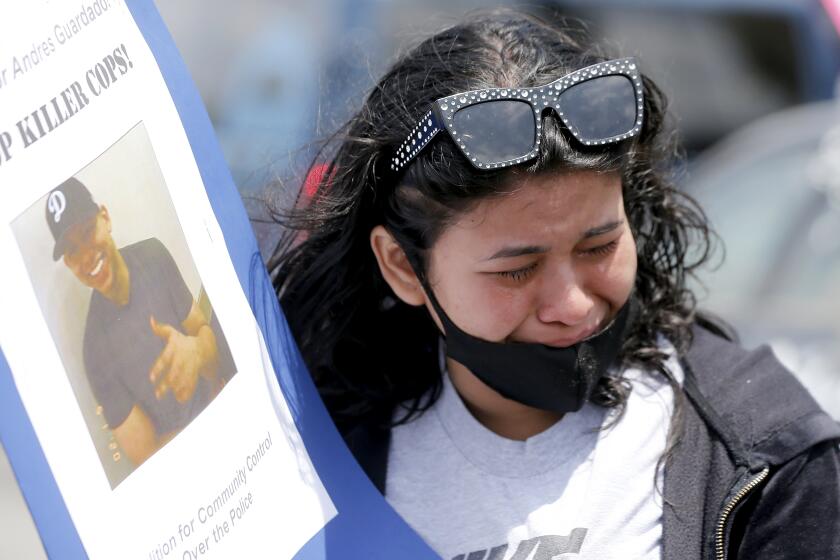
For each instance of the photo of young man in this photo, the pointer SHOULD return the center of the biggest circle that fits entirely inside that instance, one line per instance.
(152, 356)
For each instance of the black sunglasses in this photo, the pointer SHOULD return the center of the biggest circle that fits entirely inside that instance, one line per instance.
(498, 127)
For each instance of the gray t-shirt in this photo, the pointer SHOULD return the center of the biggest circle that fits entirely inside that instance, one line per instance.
(572, 491)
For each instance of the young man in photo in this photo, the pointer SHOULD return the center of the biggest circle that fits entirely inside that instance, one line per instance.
(152, 357)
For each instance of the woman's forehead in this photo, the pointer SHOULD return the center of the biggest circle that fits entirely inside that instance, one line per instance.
(556, 202)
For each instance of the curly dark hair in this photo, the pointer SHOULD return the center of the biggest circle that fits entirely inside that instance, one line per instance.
(366, 350)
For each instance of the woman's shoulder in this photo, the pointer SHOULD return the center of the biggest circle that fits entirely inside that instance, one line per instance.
(753, 397)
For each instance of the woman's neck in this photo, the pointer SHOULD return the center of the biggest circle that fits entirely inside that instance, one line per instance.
(507, 418)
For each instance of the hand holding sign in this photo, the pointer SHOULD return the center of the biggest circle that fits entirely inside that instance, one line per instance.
(178, 365)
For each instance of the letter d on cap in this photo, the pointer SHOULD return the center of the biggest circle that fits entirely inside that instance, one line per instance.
(56, 204)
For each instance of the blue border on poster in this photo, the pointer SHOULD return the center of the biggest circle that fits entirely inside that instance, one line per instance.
(58, 535)
(365, 526)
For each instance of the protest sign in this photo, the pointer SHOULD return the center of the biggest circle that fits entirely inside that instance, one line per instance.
(153, 402)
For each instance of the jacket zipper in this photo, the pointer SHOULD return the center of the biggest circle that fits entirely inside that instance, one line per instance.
(720, 551)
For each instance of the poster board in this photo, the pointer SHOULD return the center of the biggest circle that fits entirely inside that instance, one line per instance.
(152, 401)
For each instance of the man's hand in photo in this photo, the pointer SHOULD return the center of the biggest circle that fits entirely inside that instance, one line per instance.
(179, 364)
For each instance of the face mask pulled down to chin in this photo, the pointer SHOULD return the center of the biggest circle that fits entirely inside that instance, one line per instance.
(545, 377)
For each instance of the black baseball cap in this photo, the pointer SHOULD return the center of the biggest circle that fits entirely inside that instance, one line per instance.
(68, 204)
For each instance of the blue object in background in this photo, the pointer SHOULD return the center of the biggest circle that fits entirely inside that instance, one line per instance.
(269, 103)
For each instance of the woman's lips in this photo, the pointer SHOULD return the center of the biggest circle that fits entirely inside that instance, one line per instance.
(571, 340)
(565, 342)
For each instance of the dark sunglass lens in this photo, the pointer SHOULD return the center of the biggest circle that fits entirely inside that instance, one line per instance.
(600, 108)
(496, 131)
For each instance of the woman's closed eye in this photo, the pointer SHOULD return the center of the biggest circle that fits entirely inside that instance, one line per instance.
(519, 274)
(600, 250)
(523, 273)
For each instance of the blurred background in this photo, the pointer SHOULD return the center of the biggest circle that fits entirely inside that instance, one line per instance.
(753, 85)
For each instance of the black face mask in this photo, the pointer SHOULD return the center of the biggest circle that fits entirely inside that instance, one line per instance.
(536, 375)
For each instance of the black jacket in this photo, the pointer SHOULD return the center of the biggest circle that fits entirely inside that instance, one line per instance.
(756, 474)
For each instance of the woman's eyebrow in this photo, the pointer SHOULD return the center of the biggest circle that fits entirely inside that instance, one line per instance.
(517, 251)
(599, 230)
(520, 250)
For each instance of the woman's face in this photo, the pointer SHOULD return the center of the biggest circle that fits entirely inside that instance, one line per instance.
(550, 262)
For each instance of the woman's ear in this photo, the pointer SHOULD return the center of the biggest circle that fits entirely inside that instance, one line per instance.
(394, 266)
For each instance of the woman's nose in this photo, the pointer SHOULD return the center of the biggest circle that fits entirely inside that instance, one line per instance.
(564, 299)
